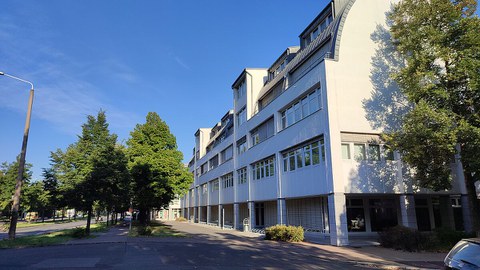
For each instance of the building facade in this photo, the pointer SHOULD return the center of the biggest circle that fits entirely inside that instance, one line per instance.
(302, 144)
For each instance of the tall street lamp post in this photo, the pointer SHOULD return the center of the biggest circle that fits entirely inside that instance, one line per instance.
(21, 164)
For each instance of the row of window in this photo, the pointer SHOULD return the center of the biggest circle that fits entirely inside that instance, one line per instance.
(227, 180)
(304, 156)
(296, 112)
(225, 155)
(264, 168)
(362, 151)
(307, 155)
(301, 109)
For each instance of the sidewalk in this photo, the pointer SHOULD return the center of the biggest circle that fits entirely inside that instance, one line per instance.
(368, 256)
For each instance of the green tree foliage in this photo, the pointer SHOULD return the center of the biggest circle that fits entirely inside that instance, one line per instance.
(35, 198)
(92, 169)
(8, 178)
(440, 42)
(155, 166)
(50, 185)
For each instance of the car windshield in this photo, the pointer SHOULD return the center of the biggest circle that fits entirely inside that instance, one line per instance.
(466, 252)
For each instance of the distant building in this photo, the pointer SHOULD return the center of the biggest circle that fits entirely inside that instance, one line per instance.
(172, 212)
(302, 144)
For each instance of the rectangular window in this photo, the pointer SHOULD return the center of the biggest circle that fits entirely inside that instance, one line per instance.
(227, 180)
(214, 185)
(204, 168)
(227, 154)
(291, 158)
(301, 109)
(315, 153)
(242, 116)
(262, 132)
(264, 168)
(374, 152)
(242, 175)
(299, 157)
(388, 152)
(242, 145)
(303, 156)
(213, 162)
(241, 90)
(359, 152)
(307, 155)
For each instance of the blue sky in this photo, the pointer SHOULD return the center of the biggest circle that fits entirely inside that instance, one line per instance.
(177, 58)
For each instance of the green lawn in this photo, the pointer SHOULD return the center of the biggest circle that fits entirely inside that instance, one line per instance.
(53, 238)
(154, 229)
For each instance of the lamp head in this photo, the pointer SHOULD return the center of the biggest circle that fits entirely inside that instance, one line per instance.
(1, 73)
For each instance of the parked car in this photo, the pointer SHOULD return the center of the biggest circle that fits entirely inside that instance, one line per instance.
(464, 255)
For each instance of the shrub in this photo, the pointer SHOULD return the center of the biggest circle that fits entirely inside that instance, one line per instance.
(284, 233)
(144, 230)
(181, 219)
(404, 238)
(78, 232)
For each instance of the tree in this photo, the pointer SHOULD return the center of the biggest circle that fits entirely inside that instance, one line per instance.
(440, 43)
(50, 185)
(92, 169)
(8, 178)
(155, 166)
(36, 198)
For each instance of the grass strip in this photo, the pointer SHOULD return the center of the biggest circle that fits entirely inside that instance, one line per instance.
(53, 238)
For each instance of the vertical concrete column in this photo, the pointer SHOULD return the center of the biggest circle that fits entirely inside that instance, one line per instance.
(281, 211)
(407, 211)
(337, 217)
(220, 216)
(236, 216)
(209, 213)
(199, 214)
(188, 214)
(195, 214)
(251, 214)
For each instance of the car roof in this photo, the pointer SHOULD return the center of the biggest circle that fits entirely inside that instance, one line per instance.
(473, 240)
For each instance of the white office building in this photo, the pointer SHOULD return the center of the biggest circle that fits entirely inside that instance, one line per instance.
(302, 144)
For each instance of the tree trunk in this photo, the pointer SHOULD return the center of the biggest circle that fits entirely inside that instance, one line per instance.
(474, 202)
(142, 216)
(43, 215)
(89, 217)
(108, 216)
(54, 214)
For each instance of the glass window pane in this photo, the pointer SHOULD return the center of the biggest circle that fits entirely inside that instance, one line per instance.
(272, 169)
(345, 151)
(374, 152)
(359, 151)
(388, 153)
(290, 117)
(315, 156)
(306, 153)
(313, 102)
(285, 163)
(305, 110)
(299, 155)
(292, 161)
(298, 112)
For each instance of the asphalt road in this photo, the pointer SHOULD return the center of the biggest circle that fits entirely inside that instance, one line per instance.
(43, 229)
(202, 249)
(167, 255)
(206, 248)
